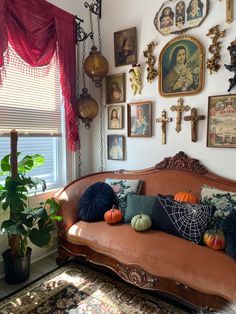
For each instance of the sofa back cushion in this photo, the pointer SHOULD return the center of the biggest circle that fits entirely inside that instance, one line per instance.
(122, 187)
(188, 221)
(96, 200)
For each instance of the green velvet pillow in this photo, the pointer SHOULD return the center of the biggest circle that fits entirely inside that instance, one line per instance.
(138, 204)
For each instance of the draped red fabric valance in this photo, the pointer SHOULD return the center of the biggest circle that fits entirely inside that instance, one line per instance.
(36, 30)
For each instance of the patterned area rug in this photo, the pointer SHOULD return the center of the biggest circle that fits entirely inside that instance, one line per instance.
(77, 289)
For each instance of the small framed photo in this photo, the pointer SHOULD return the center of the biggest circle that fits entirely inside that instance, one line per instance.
(221, 130)
(125, 47)
(116, 147)
(140, 119)
(115, 88)
(115, 117)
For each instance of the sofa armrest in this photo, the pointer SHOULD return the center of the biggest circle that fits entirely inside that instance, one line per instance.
(69, 198)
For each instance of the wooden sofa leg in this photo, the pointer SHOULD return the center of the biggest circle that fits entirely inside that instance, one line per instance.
(62, 256)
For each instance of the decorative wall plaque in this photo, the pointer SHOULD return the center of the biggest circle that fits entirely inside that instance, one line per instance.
(178, 16)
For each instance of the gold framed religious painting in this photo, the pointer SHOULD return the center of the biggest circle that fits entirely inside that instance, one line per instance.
(115, 88)
(116, 147)
(125, 47)
(178, 16)
(115, 117)
(221, 125)
(140, 119)
(181, 67)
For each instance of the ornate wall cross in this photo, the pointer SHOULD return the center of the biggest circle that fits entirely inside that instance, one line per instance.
(163, 120)
(229, 11)
(214, 48)
(151, 59)
(179, 108)
(194, 118)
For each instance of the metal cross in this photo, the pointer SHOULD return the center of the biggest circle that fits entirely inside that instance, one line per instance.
(194, 118)
(163, 120)
(179, 108)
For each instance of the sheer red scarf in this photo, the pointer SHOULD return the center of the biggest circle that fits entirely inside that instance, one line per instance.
(37, 30)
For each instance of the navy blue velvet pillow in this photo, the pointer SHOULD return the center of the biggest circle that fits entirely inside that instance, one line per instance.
(96, 200)
(188, 221)
(229, 228)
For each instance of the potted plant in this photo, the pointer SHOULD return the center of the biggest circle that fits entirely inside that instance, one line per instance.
(24, 222)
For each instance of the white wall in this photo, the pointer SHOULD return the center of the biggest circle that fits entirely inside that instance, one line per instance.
(145, 152)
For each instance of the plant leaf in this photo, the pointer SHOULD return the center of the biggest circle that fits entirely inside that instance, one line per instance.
(30, 162)
(11, 227)
(39, 237)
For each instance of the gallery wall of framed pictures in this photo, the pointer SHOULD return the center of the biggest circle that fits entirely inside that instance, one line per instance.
(169, 39)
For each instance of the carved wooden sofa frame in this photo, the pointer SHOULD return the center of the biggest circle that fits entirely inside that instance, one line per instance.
(134, 274)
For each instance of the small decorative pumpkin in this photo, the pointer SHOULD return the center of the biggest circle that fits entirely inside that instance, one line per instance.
(186, 197)
(141, 222)
(215, 239)
(113, 216)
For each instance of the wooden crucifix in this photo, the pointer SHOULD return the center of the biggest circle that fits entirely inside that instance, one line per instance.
(163, 120)
(194, 118)
(179, 108)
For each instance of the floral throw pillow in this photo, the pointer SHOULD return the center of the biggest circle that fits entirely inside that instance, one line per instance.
(224, 202)
(122, 187)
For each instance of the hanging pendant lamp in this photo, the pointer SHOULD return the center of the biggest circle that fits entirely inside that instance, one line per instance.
(87, 108)
(96, 66)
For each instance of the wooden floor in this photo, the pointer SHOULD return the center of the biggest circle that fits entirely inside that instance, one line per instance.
(38, 269)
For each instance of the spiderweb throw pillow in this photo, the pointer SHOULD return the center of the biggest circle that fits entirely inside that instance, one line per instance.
(188, 221)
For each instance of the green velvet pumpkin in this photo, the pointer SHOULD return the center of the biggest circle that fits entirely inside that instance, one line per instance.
(141, 222)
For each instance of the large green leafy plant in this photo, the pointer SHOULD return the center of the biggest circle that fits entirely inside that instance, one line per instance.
(25, 222)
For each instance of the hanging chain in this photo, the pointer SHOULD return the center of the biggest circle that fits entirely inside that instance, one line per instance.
(78, 161)
(101, 129)
(83, 58)
(91, 25)
(99, 35)
(102, 107)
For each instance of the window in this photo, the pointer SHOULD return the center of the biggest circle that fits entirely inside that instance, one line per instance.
(31, 104)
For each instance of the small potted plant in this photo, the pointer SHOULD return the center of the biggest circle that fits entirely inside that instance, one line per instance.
(24, 222)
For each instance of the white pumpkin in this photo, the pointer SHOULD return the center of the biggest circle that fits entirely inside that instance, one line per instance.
(141, 222)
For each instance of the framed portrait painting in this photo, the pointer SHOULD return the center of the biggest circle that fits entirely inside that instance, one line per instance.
(221, 125)
(178, 16)
(125, 47)
(115, 88)
(115, 117)
(181, 67)
(116, 147)
(140, 119)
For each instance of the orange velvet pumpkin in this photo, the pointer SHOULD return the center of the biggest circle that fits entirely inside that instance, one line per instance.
(215, 239)
(113, 216)
(186, 197)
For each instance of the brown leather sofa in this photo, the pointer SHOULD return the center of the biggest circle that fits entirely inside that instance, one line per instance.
(194, 275)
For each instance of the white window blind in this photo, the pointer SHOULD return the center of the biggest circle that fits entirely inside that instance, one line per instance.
(30, 103)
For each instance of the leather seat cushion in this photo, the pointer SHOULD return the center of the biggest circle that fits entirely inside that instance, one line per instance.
(161, 254)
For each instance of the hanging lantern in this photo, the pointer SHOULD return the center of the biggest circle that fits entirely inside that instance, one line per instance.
(96, 66)
(87, 108)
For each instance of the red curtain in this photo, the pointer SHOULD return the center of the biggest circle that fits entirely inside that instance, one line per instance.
(36, 30)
